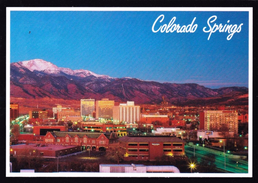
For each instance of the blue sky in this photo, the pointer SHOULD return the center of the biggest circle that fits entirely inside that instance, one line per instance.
(122, 44)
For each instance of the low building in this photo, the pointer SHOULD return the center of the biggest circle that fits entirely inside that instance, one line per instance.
(202, 134)
(69, 115)
(38, 114)
(136, 168)
(176, 123)
(150, 118)
(120, 130)
(42, 150)
(151, 147)
(86, 140)
(42, 130)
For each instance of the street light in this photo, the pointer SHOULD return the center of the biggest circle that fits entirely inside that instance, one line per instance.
(192, 166)
(224, 153)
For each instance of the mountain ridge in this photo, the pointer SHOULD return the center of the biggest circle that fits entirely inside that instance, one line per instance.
(38, 79)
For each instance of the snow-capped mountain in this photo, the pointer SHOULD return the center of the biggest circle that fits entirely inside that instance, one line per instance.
(49, 68)
(38, 79)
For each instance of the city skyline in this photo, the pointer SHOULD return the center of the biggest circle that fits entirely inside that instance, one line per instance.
(122, 44)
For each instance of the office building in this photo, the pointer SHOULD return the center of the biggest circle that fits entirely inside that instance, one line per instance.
(151, 147)
(213, 120)
(87, 107)
(126, 112)
(104, 108)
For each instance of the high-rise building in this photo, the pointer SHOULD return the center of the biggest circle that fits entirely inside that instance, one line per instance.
(87, 107)
(104, 108)
(213, 120)
(14, 111)
(126, 112)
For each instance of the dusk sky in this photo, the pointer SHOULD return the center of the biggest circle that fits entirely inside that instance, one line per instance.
(122, 44)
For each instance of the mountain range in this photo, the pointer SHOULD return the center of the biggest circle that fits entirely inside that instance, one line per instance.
(41, 79)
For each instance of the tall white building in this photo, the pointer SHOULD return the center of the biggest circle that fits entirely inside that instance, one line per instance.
(126, 112)
(87, 107)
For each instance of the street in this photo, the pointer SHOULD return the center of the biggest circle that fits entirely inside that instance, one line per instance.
(235, 165)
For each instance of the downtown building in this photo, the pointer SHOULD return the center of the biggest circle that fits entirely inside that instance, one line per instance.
(104, 108)
(126, 112)
(213, 120)
(87, 107)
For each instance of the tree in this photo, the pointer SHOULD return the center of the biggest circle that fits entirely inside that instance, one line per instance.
(224, 129)
(116, 153)
(157, 123)
(15, 131)
(207, 164)
(69, 124)
(27, 159)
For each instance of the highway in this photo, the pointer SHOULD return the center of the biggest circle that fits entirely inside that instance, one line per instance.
(233, 165)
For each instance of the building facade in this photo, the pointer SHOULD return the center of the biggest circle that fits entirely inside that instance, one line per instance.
(151, 147)
(89, 141)
(136, 168)
(119, 129)
(87, 107)
(150, 118)
(43, 129)
(127, 112)
(14, 111)
(104, 108)
(42, 150)
(213, 120)
(57, 109)
(69, 115)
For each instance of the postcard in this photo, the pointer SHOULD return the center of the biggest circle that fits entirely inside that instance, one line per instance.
(129, 92)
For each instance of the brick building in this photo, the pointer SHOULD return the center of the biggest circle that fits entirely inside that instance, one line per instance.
(151, 147)
(86, 140)
(42, 150)
(150, 118)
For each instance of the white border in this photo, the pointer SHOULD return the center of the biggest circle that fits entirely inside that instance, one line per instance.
(68, 174)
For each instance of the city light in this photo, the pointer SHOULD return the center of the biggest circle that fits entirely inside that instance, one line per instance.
(192, 166)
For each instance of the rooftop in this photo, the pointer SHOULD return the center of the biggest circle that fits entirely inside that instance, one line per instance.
(41, 147)
(150, 139)
(79, 134)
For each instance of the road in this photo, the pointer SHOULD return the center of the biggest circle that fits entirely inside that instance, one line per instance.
(231, 165)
